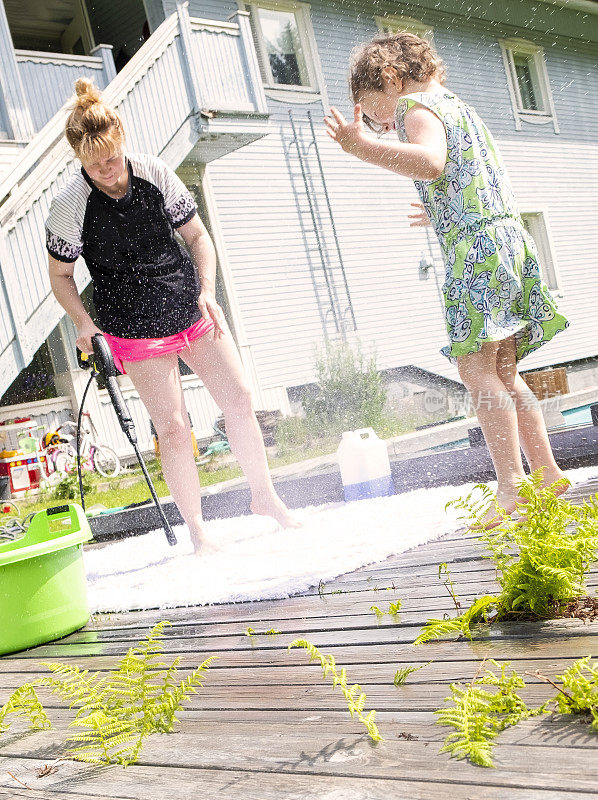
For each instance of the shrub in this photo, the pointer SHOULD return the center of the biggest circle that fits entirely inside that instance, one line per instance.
(348, 393)
(291, 434)
(68, 486)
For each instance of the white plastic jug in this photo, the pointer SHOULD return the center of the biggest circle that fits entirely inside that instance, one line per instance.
(364, 465)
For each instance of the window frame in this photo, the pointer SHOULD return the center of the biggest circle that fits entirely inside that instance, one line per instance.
(315, 92)
(401, 22)
(545, 246)
(534, 54)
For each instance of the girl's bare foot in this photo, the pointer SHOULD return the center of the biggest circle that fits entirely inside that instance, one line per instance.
(269, 504)
(510, 501)
(550, 476)
(507, 500)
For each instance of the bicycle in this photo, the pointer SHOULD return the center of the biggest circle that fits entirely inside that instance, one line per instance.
(94, 456)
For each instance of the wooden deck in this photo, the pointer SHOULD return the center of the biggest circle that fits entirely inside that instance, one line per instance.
(267, 727)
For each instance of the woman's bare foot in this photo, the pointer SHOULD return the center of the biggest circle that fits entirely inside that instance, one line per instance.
(269, 504)
(200, 546)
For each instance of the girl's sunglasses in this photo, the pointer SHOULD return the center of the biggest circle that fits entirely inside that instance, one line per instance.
(376, 127)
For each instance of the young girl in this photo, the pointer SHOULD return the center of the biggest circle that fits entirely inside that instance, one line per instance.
(497, 308)
(154, 302)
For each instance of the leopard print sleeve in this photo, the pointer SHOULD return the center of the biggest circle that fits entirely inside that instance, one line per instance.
(65, 220)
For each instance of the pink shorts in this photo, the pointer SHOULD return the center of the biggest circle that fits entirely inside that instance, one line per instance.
(140, 349)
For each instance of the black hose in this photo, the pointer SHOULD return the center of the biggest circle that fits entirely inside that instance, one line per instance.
(170, 537)
(79, 418)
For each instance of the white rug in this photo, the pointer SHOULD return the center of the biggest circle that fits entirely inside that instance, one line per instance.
(251, 558)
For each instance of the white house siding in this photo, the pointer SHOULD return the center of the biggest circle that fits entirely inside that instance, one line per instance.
(397, 311)
(571, 209)
(5, 126)
(156, 78)
(8, 153)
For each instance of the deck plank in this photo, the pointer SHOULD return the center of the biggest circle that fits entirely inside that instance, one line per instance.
(139, 783)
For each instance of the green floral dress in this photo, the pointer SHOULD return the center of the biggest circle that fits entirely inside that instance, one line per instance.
(493, 285)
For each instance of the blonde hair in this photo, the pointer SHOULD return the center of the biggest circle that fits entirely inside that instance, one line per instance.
(93, 128)
(410, 55)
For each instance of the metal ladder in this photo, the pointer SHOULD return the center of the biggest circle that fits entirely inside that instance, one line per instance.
(328, 269)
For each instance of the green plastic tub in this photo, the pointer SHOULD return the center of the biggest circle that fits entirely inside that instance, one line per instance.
(43, 594)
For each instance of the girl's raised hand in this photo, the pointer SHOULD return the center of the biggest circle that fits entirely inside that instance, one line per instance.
(350, 135)
(421, 219)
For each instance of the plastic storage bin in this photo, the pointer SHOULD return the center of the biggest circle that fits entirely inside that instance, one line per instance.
(364, 465)
(43, 593)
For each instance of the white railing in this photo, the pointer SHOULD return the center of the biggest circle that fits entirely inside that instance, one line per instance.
(202, 410)
(57, 73)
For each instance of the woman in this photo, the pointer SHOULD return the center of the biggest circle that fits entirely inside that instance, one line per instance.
(154, 301)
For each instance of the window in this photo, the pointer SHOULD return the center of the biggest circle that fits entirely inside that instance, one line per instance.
(535, 224)
(528, 88)
(528, 83)
(286, 49)
(286, 58)
(393, 23)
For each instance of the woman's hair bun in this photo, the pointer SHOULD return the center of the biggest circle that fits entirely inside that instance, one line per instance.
(87, 92)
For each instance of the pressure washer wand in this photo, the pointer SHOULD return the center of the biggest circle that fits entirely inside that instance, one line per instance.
(104, 363)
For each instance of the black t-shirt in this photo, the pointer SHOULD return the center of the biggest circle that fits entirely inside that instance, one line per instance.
(145, 285)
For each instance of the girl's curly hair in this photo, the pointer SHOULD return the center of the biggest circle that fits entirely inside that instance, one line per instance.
(410, 55)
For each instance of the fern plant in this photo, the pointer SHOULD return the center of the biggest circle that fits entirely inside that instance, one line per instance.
(393, 610)
(354, 695)
(24, 702)
(448, 583)
(403, 673)
(580, 692)
(478, 714)
(541, 559)
(251, 632)
(118, 710)
(477, 612)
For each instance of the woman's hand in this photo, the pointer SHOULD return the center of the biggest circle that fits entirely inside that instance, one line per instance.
(211, 310)
(350, 135)
(85, 331)
(421, 219)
